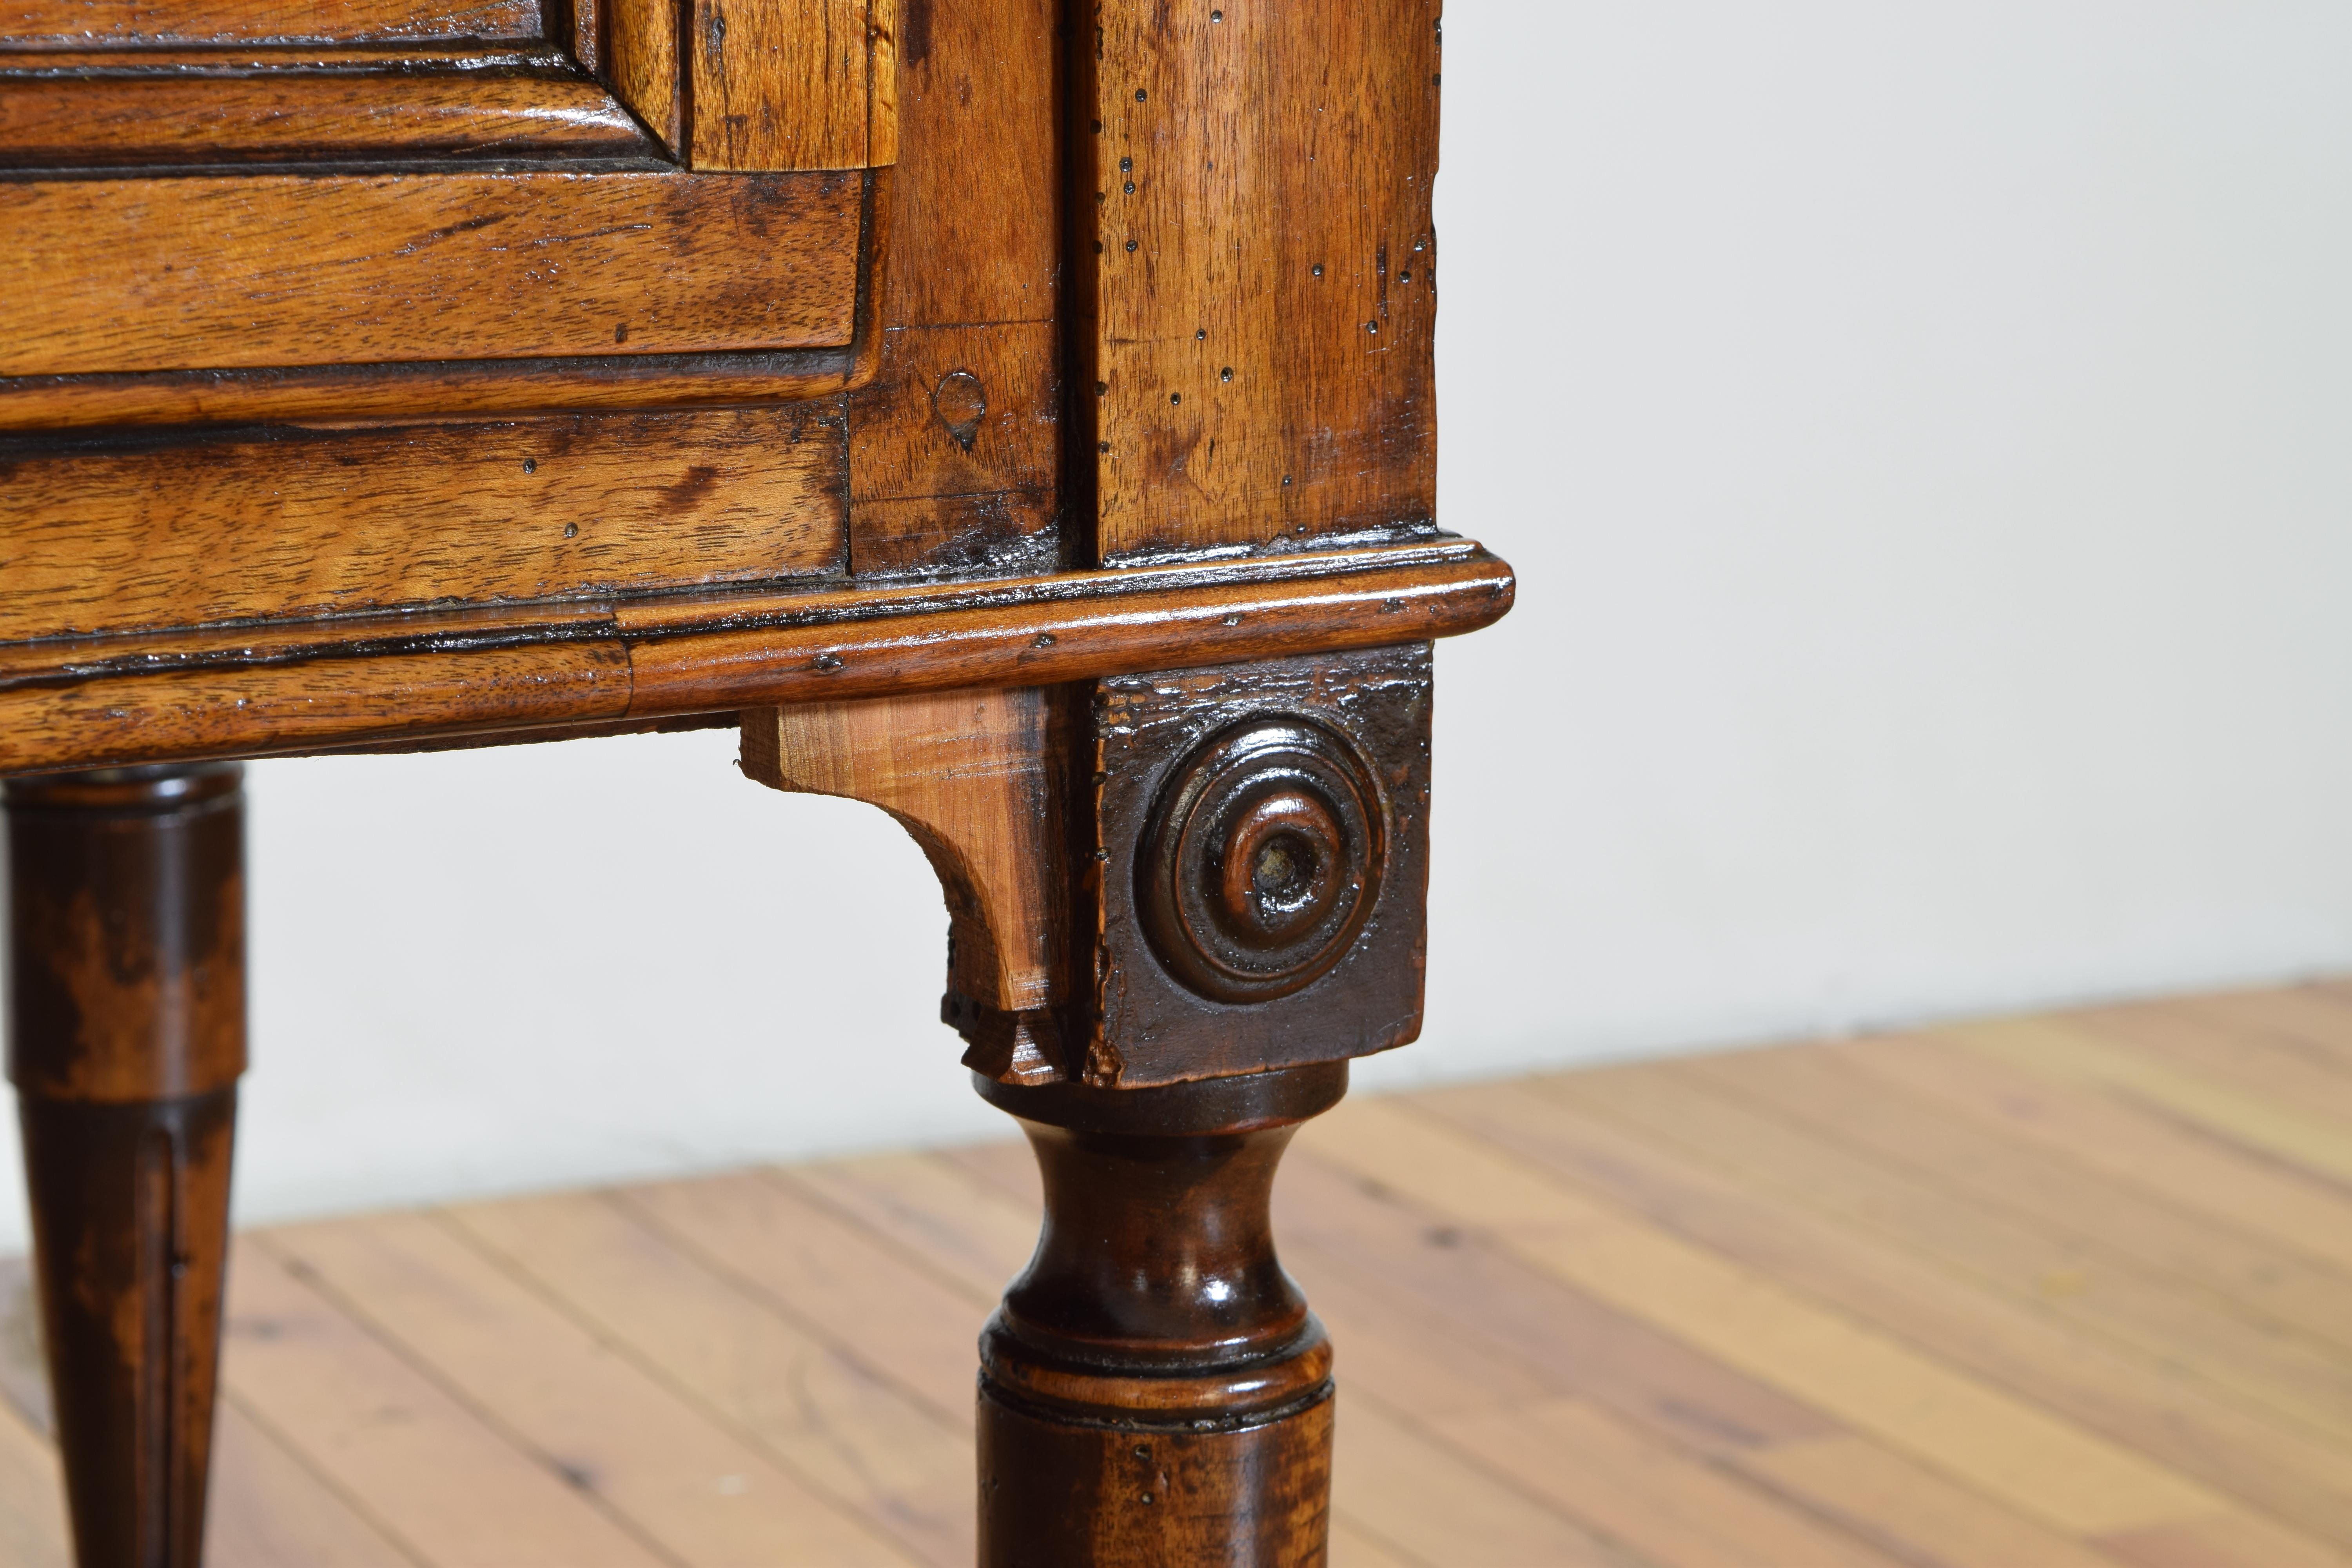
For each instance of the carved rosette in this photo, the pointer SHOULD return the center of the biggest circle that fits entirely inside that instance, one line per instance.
(1261, 840)
(1262, 860)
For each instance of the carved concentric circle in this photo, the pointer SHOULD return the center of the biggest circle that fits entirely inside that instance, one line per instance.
(1262, 860)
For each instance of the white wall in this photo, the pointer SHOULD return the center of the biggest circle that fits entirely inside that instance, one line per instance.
(1926, 435)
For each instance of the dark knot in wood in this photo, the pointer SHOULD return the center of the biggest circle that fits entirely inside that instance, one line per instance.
(1263, 860)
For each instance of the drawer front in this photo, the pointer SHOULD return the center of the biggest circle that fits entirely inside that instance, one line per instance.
(220, 210)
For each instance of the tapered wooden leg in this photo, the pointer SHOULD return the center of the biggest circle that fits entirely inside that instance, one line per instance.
(126, 1034)
(1154, 1391)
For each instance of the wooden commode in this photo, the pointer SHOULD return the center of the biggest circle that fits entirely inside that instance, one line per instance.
(1017, 417)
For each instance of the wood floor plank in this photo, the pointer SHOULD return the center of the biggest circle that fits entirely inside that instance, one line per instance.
(1411, 1364)
(833, 1421)
(1570, 1341)
(2028, 1352)
(2217, 1543)
(1674, 1509)
(1418, 1494)
(2135, 1143)
(2243, 1058)
(1355, 1546)
(2048, 1468)
(2051, 1047)
(2316, 1021)
(2062, 1292)
(908, 1323)
(694, 1491)
(1677, 1397)
(1005, 1164)
(1825, 1093)
(32, 1498)
(267, 1509)
(1880, 1495)
(930, 1207)
(1742, 1106)
(449, 1489)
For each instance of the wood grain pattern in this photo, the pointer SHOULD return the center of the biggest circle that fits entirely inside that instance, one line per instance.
(976, 182)
(642, 38)
(110, 536)
(805, 1400)
(970, 774)
(976, 202)
(82, 110)
(88, 24)
(292, 707)
(2293, 1133)
(152, 275)
(2003, 1444)
(1580, 1129)
(2255, 1365)
(825, 1313)
(2102, 1225)
(2135, 1145)
(1018, 640)
(1153, 1388)
(697, 1494)
(961, 427)
(126, 1037)
(1260, 291)
(301, 685)
(447, 1481)
(269, 1509)
(355, 394)
(787, 84)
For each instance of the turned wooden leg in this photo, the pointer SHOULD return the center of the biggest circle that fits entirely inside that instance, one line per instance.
(126, 1034)
(1154, 1391)
(1178, 904)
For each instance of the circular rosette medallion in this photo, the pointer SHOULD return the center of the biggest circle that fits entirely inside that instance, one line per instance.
(1263, 860)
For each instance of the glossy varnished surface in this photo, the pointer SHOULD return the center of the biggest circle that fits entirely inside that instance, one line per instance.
(126, 1037)
(104, 108)
(1785, 1306)
(299, 686)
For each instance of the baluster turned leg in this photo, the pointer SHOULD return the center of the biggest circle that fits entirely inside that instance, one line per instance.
(126, 1034)
(1154, 1391)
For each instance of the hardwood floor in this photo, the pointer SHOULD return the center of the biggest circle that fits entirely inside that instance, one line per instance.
(2073, 1291)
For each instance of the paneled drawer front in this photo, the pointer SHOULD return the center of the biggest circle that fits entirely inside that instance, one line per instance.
(125, 535)
(226, 210)
(147, 275)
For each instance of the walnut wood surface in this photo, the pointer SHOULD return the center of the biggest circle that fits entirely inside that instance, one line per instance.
(126, 1034)
(1261, 838)
(976, 230)
(788, 84)
(101, 109)
(955, 450)
(619, 379)
(1259, 283)
(974, 777)
(112, 535)
(1153, 1389)
(104, 276)
(143, 24)
(641, 44)
(1178, 897)
(248, 691)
